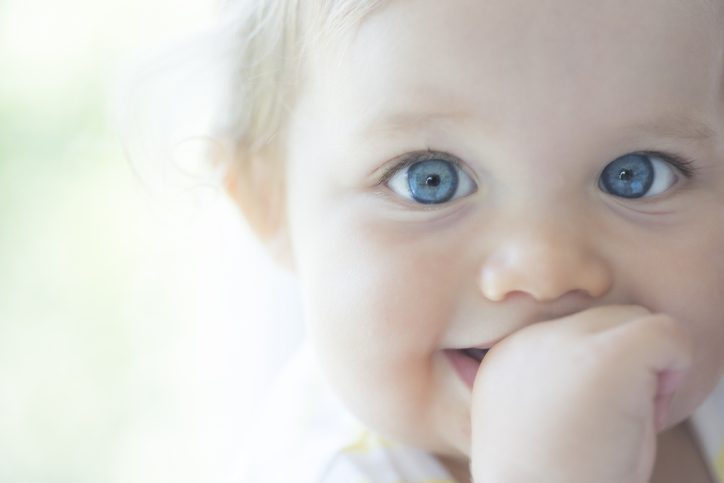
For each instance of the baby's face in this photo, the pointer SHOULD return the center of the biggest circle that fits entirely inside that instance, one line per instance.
(467, 168)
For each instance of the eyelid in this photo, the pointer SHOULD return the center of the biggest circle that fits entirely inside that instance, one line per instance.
(415, 157)
(685, 166)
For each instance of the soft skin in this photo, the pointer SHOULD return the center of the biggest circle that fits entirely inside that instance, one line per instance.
(534, 99)
(590, 407)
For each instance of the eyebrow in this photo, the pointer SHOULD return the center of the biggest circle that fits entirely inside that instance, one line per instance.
(416, 121)
(677, 127)
(685, 128)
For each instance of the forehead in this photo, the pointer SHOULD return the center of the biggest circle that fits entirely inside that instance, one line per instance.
(509, 64)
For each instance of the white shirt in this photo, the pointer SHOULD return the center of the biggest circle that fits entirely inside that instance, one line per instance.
(306, 435)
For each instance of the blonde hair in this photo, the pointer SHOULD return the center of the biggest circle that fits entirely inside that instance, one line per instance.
(272, 37)
(227, 90)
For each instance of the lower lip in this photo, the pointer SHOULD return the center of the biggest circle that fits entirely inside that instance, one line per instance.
(465, 366)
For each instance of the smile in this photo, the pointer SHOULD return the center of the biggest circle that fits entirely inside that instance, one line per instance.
(466, 363)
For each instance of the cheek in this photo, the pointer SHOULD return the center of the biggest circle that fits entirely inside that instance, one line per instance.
(684, 277)
(700, 307)
(379, 300)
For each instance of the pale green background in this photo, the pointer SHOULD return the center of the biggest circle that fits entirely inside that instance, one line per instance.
(122, 355)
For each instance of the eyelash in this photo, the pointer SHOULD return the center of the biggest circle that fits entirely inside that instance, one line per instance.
(683, 165)
(412, 158)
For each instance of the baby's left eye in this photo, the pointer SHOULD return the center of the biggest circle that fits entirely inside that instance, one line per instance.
(433, 181)
(637, 175)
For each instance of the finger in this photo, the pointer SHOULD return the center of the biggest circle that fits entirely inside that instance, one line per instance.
(659, 344)
(603, 318)
(659, 341)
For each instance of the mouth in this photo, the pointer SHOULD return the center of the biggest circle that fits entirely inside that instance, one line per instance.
(466, 363)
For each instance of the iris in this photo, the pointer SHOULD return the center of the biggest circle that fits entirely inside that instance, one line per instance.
(629, 176)
(432, 181)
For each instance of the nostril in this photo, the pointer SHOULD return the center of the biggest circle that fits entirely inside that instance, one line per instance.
(516, 295)
(513, 296)
(545, 264)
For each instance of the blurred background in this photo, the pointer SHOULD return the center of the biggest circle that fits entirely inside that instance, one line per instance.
(132, 342)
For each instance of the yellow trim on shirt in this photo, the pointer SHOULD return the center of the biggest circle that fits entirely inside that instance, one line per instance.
(719, 465)
(365, 480)
(366, 443)
(369, 442)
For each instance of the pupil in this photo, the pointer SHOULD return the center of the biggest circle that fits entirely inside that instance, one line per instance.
(629, 176)
(433, 181)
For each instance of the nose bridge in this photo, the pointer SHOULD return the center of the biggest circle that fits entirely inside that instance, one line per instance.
(545, 256)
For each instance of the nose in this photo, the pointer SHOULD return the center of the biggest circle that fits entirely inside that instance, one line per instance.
(546, 261)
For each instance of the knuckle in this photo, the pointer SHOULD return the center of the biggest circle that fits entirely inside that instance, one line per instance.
(617, 314)
(662, 324)
(667, 328)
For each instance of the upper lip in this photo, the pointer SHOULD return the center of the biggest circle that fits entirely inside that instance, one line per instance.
(526, 319)
(484, 346)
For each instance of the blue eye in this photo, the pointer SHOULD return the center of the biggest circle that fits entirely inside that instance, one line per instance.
(433, 181)
(636, 175)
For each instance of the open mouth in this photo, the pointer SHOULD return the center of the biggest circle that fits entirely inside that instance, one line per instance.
(466, 362)
(476, 354)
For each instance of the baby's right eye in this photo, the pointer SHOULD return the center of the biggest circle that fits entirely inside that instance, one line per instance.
(432, 182)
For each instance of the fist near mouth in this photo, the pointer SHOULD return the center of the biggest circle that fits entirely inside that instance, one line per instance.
(577, 399)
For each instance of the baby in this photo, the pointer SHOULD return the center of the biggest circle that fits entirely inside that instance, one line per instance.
(507, 220)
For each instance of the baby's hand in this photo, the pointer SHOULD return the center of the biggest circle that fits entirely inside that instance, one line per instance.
(577, 399)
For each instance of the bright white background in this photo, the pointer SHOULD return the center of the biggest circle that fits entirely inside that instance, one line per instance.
(129, 340)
